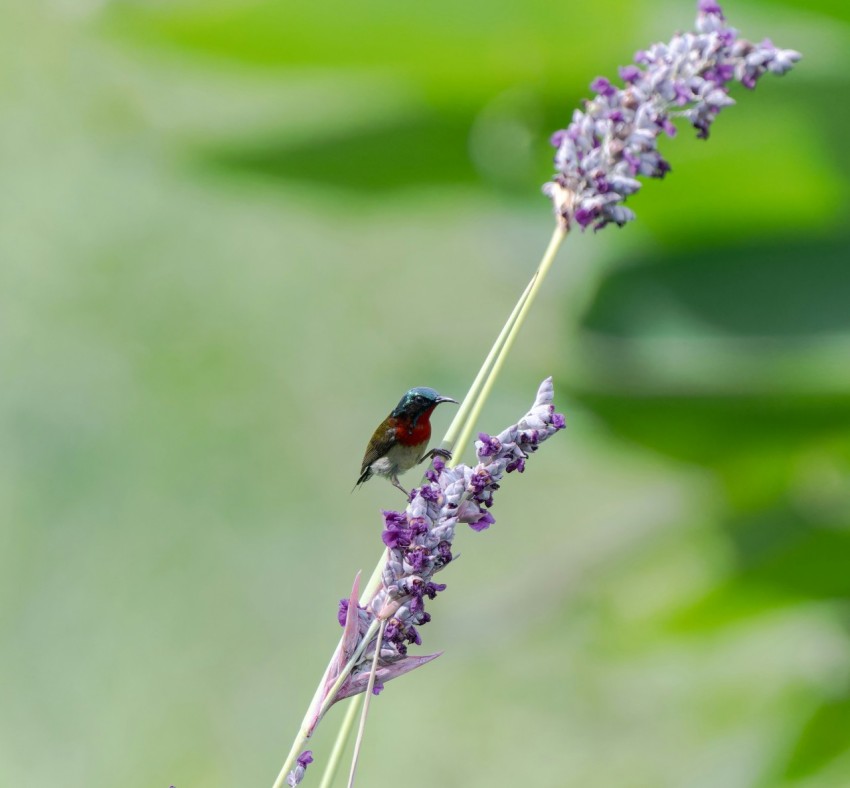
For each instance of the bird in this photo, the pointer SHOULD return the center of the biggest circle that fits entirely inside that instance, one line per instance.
(401, 438)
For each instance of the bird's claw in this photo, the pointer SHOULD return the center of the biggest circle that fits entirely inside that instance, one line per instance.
(429, 455)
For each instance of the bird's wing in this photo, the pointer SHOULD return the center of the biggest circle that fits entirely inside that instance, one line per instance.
(379, 445)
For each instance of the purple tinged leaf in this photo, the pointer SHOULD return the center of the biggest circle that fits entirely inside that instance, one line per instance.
(357, 683)
(351, 632)
(348, 644)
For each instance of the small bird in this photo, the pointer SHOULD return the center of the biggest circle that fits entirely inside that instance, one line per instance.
(400, 441)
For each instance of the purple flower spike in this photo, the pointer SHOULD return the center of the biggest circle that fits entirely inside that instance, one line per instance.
(419, 544)
(616, 136)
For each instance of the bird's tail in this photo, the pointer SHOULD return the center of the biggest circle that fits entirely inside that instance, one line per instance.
(364, 477)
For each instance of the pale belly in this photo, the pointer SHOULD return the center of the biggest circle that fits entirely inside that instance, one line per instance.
(397, 460)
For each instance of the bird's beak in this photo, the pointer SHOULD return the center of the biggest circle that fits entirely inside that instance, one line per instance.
(447, 399)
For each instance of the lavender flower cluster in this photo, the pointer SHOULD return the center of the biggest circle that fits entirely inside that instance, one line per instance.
(419, 541)
(615, 138)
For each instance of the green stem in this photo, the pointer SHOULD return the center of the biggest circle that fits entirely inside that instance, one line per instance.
(339, 745)
(450, 438)
(510, 331)
(364, 715)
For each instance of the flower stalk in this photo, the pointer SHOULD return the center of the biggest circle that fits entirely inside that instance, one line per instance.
(501, 348)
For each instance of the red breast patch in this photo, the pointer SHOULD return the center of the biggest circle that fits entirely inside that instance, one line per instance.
(410, 434)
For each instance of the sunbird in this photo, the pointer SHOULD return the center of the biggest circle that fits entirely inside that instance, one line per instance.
(401, 438)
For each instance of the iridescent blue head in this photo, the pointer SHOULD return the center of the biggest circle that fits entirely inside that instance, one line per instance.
(419, 400)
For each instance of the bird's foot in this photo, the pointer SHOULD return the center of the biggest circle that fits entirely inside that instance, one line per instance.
(395, 483)
(444, 453)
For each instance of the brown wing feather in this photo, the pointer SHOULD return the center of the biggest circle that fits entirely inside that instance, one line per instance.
(379, 444)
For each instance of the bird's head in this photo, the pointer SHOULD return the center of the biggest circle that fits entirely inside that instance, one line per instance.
(418, 401)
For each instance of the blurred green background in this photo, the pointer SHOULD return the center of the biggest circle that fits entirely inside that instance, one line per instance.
(233, 232)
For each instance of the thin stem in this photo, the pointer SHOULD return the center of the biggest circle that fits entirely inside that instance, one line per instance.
(339, 745)
(365, 713)
(522, 310)
(450, 438)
